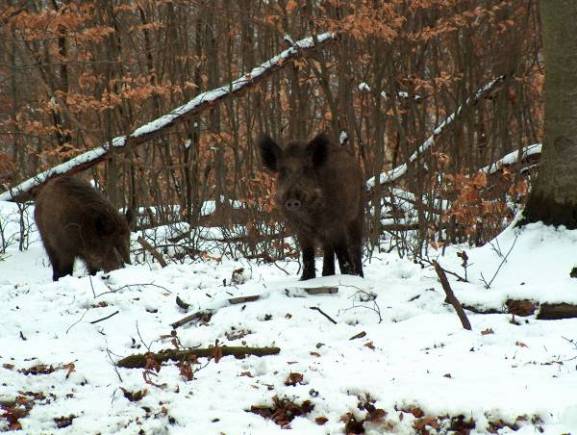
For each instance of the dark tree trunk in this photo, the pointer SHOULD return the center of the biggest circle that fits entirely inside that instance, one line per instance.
(553, 199)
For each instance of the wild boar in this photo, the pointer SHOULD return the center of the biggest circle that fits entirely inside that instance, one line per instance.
(76, 220)
(320, 193)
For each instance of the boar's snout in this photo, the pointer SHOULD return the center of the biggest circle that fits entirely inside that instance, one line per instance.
(292, 204)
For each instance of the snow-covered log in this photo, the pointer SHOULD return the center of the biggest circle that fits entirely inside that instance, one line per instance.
(396, 173)
(152, 129)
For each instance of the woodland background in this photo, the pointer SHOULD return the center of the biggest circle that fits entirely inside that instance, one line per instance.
(75, 74)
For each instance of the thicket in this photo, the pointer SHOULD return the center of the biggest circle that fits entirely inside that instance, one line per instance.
(75, 74)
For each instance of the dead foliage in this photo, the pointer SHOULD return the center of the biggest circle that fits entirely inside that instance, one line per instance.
(283, 411)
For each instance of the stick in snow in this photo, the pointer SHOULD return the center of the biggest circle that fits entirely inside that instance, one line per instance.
(324, 314)
(451, 298)
(151, 130)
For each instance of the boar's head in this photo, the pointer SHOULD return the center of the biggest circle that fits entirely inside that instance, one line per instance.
(298, 169)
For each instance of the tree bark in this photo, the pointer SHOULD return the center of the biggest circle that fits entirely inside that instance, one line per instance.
(553, 199)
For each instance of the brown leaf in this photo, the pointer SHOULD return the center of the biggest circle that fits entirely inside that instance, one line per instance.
(293, 379)
(134, 396)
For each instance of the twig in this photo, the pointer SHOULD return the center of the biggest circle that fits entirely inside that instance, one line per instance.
(324, 314)
(488, 284)
(78, 321)
(114, 365)
(368, 297)
(114, 290)
(451, 298)
(280, 268)
(432, 263)
(152, 251)
(105, 318)
(147, 346)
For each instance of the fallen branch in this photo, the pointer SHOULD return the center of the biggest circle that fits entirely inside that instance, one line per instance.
(152, 251)
(396, 173)
(206, 314)
(139, 360)
(153, 129)
(203, 316)
(451, 298)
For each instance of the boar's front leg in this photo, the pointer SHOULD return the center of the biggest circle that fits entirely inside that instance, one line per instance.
(308, 250)
(328, 260)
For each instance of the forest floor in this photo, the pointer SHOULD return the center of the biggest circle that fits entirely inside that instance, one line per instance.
(397, 360)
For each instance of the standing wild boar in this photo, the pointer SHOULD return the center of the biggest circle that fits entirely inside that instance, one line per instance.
(319, 190)
(76, 220)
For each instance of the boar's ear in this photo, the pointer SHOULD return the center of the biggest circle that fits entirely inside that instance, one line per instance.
(104, 226)
(269, 152)
(319, 149)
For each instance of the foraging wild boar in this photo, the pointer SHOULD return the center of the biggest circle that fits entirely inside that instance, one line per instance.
(76, 220)
(320, 193)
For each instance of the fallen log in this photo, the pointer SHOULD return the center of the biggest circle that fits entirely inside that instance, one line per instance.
(139, 360)
(527, 307)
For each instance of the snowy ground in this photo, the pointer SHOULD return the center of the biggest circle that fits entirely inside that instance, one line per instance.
(415, 362)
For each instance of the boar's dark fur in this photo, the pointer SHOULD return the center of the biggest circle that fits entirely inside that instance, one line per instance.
(320, 193)
(76, 220)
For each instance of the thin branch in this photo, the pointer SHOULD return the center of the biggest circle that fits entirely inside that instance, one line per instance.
(503, 261)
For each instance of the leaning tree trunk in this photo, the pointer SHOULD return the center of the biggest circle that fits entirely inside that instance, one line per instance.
(553, 199)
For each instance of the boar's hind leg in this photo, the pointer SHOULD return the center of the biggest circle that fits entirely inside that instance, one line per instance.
(345, 263)
(328, 260)
(355, 247)
(357, 256)
(308, 261)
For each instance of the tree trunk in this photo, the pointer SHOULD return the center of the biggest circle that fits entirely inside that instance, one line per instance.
(553, 199)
